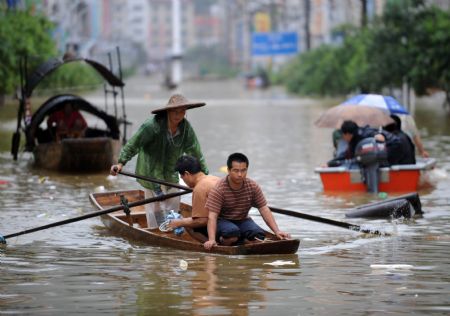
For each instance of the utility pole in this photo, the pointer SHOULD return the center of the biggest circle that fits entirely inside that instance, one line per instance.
(246, 39)
(363, 13)
(307, 4)
(176, 70)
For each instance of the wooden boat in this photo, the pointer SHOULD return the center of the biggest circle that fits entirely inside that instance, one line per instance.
(134, 227)
(396, 178)
(96, 149)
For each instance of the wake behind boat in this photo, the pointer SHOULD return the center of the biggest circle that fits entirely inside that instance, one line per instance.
(134, 226)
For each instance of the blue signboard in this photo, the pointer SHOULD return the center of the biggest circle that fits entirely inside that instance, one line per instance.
(280, 43)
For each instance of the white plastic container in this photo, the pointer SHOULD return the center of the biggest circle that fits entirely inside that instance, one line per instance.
(151, 219)
(160, 216)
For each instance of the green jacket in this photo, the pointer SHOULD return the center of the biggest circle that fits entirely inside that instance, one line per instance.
(158, 152)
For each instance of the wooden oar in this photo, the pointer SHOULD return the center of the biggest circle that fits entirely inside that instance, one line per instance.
(93, 214)
(15, 143)
(149, 179)
(326, 221)
(273, 209)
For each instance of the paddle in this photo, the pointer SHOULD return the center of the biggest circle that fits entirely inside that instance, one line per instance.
(169, 184)
(273, 209)
(93, 214)
(15, 142)
(327, 221)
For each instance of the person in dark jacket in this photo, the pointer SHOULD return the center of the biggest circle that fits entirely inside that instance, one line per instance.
(405, 153)
(353, 134)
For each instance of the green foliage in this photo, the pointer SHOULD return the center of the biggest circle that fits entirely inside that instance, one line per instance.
(328, 70)
(354, 61)
(390, 52)
(21, 33)
(411, 42)
(73, 76)
(432, 52)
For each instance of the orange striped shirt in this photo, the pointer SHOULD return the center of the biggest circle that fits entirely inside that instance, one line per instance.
(235, 204)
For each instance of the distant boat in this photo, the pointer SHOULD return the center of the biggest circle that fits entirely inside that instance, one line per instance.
(135, 227)
(97, 149)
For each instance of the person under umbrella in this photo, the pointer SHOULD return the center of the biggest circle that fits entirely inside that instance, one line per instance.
(406, 152)
(352, 134)
(390, 105)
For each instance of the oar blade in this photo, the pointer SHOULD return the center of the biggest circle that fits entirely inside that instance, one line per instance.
(15, 143)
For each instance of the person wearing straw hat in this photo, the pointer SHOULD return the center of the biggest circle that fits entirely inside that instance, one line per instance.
(158, 144)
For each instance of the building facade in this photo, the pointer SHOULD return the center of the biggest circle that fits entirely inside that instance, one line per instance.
(144, 28)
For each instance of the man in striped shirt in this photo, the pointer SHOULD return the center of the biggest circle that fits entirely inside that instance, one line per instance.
(229, 203)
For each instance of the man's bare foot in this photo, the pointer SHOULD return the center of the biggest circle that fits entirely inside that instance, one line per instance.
(227, 241)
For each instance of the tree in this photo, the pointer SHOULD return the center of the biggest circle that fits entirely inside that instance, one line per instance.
(317, 72)
(21, 33)
(411, 43)
(389, 52)
(431, 69)
(353, 57)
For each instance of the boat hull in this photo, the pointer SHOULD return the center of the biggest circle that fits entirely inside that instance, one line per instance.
(119, 223)
(397, 178)
(77, 154)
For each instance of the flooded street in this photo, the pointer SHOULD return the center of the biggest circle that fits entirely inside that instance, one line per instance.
(81, 268)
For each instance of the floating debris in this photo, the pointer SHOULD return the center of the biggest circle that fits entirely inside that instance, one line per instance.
(3, 184)
(277, 263)
(392, 266)
(99, 189)
(111, 178)
(382, 195)
(183, 265)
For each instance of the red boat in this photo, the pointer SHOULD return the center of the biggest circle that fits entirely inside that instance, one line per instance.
(396, 178)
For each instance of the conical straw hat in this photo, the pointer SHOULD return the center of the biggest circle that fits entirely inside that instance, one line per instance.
(178, 101)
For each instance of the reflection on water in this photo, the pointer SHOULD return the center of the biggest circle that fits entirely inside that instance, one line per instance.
(82, 268)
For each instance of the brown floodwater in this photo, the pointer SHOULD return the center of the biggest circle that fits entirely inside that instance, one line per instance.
(80, 268)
